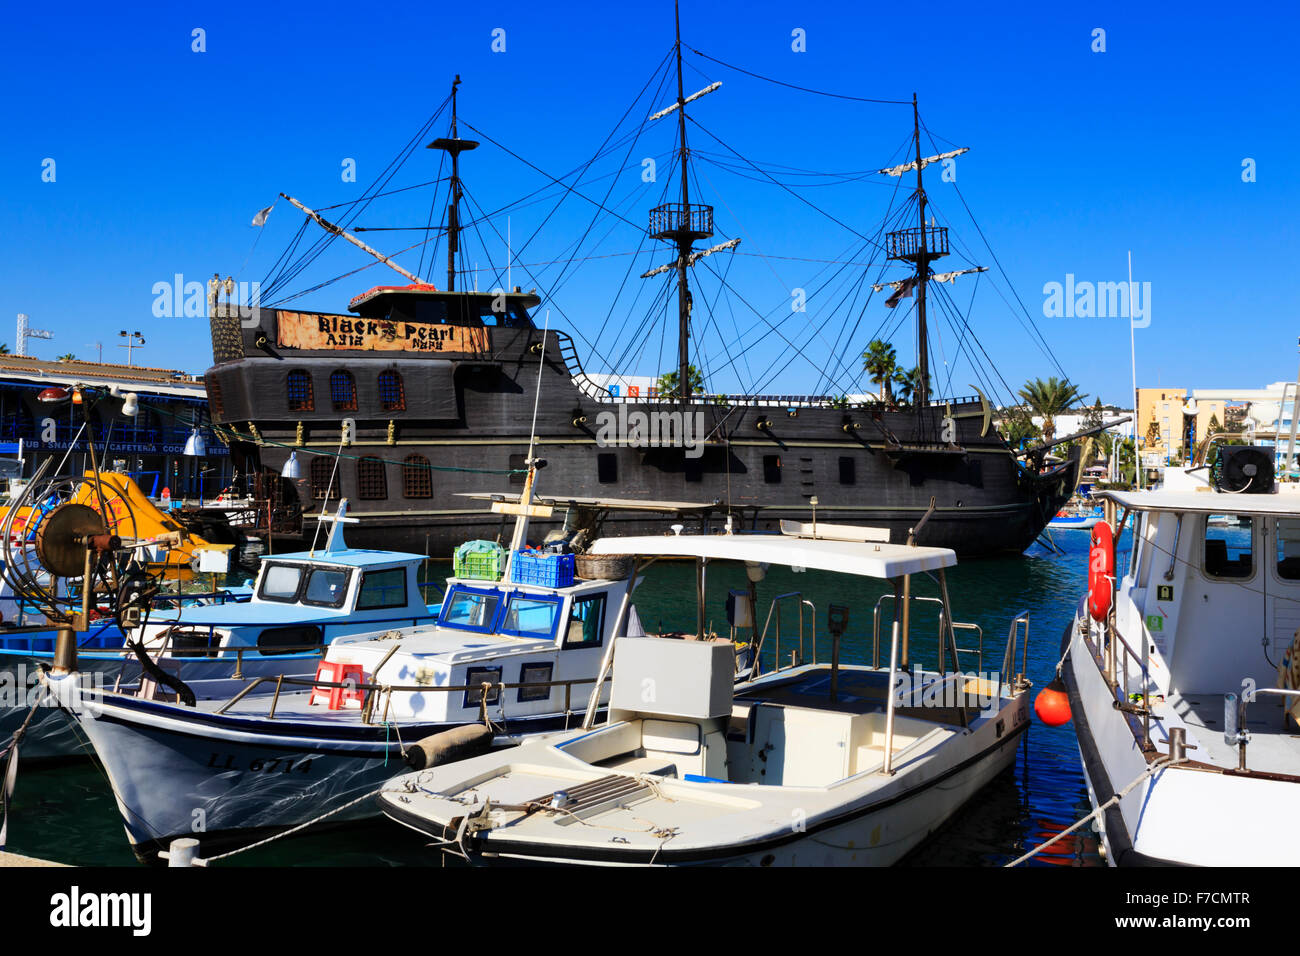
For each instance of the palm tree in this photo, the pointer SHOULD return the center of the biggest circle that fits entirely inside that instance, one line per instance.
(667, 384)
(909, 384)
(1050, 398)
(4, 348)
(66, 357)
(881, 362)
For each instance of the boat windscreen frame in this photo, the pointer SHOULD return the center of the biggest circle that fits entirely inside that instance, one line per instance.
(497, 612)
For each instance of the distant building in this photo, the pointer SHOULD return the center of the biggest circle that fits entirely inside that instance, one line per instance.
(150, 446)
(1170, 426)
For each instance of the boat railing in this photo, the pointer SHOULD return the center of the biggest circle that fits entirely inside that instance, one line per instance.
(1016, 645)
(797, 656)
(978, 650)
(186, 655)
(373, 692)
(875, 621)
(1118, 661)
(1234, 718)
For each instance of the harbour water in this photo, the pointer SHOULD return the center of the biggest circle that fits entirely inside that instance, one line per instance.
(67, 813)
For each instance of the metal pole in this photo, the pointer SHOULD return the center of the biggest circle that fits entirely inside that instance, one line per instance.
(889, 691)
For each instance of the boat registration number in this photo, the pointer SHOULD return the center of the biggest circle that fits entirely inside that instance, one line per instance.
(219, 761)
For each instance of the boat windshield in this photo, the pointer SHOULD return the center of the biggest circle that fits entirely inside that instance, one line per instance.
(469, 610)
(531, 615)
(308, 584)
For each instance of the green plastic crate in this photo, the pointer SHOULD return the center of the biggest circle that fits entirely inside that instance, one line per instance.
(479, 561)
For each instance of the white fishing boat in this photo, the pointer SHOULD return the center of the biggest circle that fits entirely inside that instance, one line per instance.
(817, 763)
(1184, 680)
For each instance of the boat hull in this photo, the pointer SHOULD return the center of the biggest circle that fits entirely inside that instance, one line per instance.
(1196, 815)
(179, 773)
(876, 830)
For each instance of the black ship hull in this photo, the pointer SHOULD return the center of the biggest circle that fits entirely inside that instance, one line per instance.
(460, 418)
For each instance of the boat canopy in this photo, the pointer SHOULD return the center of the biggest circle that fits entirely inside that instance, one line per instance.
(867, 559)
(1191, 502)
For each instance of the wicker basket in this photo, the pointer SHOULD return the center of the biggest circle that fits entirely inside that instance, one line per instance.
(608, 567)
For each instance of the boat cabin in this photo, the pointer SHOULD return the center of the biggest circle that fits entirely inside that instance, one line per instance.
(509, 636)
(1213, 581)
(300, 601)
(426, 305)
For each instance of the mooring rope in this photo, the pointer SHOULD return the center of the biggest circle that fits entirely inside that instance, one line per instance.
(1151, 768)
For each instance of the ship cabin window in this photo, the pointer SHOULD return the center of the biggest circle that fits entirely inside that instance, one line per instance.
(531, 615)
(474, 676)
(391, 394)
(772, 469)
(371, 483)
(380, 589)
(298, 388)
(327, 587)
(469, 610)
(289, 640)
(586, 622)
(607, 468)
(343, 391)
(417, 478)
(1228, 541)
(848, 470)
(539, 673)
(510, 317)
(518, 466)
(280, 582)
(1288, 549)
(324, 482)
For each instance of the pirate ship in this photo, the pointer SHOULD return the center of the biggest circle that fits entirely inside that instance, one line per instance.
(421, 395)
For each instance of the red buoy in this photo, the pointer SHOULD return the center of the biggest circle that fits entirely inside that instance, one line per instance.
(1053, 704)
(1101, 571)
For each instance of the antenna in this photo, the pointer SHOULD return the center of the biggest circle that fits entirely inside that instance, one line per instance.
(99, 350)
(25, 332)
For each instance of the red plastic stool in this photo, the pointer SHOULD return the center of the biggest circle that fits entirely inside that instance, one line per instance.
(336, 672)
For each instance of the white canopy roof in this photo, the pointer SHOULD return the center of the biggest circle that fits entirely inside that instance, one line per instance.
(1205, 502)
(868, 559)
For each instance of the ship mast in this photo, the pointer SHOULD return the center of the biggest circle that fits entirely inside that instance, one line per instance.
(454, 146)
(919, 246)
(682, 223)
(922, 273)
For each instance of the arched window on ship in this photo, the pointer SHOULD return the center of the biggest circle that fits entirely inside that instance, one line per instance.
(298, 388)
(391, 394)
(417, 479)
(372, 485)
(343, 391)
(322, 470)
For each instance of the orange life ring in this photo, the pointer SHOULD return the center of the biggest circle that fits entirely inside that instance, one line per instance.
(1101, 571)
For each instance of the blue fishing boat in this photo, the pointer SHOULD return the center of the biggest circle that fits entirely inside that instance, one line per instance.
(299, 603)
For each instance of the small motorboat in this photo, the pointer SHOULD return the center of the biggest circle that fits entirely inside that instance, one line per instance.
(815, 763)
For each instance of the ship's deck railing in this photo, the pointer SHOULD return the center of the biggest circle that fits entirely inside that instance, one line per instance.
(797, 654)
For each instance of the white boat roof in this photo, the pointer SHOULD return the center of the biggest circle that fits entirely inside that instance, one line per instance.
(864, 558)
(1205, 502)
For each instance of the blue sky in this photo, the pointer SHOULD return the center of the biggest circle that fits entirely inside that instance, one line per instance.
(162, 156)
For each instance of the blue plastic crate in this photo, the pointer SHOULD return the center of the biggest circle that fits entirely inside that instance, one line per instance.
(548, 570)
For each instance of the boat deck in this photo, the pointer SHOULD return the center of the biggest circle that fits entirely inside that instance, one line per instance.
(860, 690)
(1271, 749)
